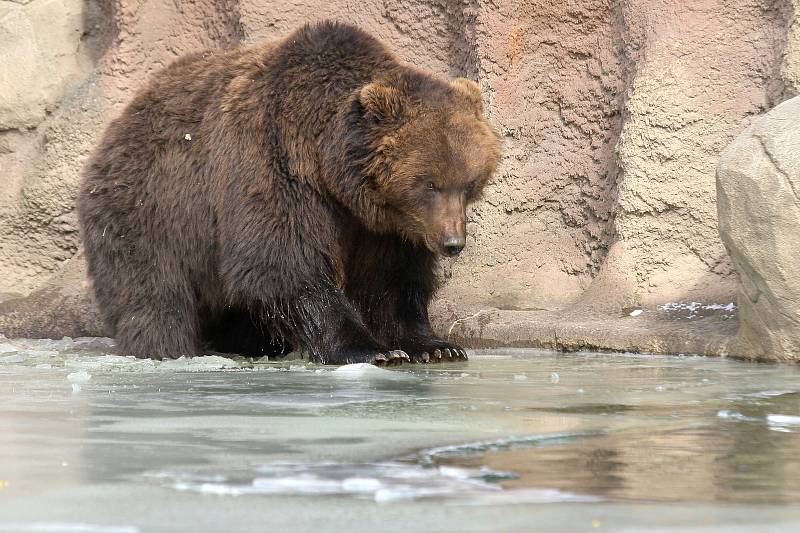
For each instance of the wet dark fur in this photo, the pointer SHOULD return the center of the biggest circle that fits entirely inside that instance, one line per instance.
(282, 220)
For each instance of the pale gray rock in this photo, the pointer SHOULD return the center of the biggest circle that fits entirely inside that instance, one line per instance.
(758, 200)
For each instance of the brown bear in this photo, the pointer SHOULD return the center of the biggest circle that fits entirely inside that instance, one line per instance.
(296, 193)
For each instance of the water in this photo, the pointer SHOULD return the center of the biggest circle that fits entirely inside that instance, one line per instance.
(511, 440)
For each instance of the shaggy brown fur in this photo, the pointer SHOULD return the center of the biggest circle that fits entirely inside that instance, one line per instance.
(297, 192)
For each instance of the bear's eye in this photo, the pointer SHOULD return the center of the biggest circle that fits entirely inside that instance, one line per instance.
(430, 186)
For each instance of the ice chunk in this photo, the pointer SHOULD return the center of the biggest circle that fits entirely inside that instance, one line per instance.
(199, 364)
(80, 377)
(521, 496)
(396, 494)
(781, 421)
(360, 370)
(636, 312)
(77, 379)
(7, 348)
(65, 527)
(110, 362)
(734, 415)
(93, 343)
(303, 484)
(42, 353)
(383, 482)
(361, 484)
(554, 377)
(456, 473)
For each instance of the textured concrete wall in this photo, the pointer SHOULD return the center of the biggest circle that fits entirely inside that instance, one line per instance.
(700, 70)
(791, 62)
(612, 115)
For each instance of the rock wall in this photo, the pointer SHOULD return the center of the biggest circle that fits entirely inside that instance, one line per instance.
(612, 114)
(702, 69)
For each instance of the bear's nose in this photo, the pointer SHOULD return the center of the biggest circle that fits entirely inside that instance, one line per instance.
(453, 245)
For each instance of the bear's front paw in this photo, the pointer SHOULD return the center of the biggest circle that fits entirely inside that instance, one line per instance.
(377, 356)
(437, 351)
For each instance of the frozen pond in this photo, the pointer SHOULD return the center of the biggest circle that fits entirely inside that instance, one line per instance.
(511, 440)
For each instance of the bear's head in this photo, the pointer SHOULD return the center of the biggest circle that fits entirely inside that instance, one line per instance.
(430, 154)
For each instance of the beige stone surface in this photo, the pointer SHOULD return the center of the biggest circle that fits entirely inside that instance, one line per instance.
(791, 60)
(40, 58)
(699, 71)
(39, 167)
(758, 179)
(62, 306)
(612, 116)
(653, 333)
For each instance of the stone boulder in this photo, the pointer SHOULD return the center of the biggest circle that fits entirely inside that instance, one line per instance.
(758, 200)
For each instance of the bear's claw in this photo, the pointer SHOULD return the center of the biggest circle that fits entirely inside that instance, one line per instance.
(442, 355)
(392, 358)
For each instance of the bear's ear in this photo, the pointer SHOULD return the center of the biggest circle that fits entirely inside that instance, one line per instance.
(382, 102)
(470, 90)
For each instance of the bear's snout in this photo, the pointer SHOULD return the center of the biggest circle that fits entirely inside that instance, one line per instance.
(453, 244)
(449, 219)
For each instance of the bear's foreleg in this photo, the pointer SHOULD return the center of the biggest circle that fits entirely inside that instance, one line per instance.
(283, 267)
(402, 318)
(331, 330)
(391, 283)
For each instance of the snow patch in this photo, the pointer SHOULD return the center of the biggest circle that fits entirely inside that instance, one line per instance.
(368, 371)
(697, 309)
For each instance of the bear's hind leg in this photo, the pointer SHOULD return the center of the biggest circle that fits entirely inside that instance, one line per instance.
(159, 329)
